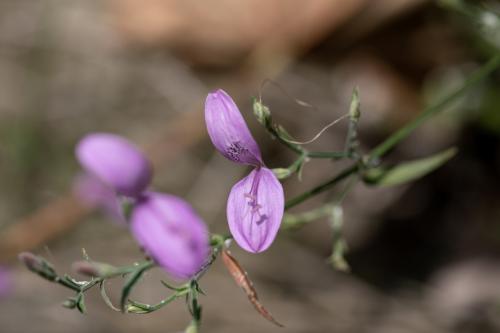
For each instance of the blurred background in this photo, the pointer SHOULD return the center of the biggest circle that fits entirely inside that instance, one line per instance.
(425, 257)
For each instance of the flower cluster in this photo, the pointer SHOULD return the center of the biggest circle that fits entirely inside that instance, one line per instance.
(256, 203)
(166, 226)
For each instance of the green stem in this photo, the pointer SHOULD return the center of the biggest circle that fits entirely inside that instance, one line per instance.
(294, 147)
(389, 143)
(144, 308)
(327, 154)
(320, 188)
(67, 284)
(432, 110)
(292, 221)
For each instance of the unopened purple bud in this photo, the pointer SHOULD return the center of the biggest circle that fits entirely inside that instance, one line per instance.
(228, 131)
(171, 232)
(94, 269)
(86, 268)
(116, 162)
(38, 265)
(254, 210)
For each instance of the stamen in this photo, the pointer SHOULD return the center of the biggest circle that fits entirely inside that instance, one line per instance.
(252, 202)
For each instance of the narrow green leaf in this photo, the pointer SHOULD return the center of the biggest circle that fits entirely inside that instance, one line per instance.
(138, 308)
(106, 298)
(169, 286)
(408, 171)
(339, 245)
(71, 281)
(129, 285)
(80, 303)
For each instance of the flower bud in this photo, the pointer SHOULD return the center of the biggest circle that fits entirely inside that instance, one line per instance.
(94, 269)
(171, 233)
(254, 210)
(262, 113)
(38, 265)
(116, 162)
(228, 131)
(282, 173)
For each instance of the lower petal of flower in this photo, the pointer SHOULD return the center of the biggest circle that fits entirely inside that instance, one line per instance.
(254, 210)
(172, 233)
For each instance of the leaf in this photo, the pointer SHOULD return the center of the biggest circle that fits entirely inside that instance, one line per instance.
(339, 247)
(80, 303)
(129, 284)
(106, 298)
(240, 276)
(138, 308)
(169, 286)
(74, 283)
(408, 171)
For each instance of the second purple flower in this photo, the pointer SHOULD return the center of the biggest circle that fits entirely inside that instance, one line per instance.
(256, 203)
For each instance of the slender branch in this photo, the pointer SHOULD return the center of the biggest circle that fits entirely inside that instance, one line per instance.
(389, 143)
(327, 154)
(320, 188)
(432, 110)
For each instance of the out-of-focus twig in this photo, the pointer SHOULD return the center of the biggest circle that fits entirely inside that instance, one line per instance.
(46, 223)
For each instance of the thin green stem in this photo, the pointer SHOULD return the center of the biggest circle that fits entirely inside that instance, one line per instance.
(320, 188)
(389, 143)
(147, 264)
(293, 221)
(294, 147)
(67, 284)
(327, 154)
(142, 308)
(432, 110)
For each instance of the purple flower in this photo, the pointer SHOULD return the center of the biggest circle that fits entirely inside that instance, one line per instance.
(116, 162)
(256, 203)
(170, 232)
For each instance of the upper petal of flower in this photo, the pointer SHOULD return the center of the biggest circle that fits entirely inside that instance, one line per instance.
(116, 162)
(171, 232)
(228, 131)
(254, 210)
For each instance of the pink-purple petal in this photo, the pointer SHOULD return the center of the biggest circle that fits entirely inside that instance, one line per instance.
(6, 282)
(228, 131)
(254, 210)
(116, 162)
(95, 194)
(172, 233)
